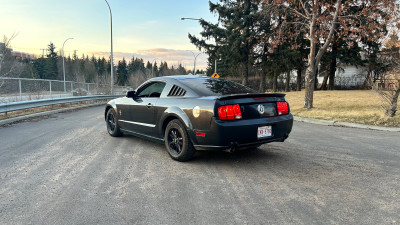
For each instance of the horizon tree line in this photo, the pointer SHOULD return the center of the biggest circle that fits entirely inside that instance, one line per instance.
(83, 69)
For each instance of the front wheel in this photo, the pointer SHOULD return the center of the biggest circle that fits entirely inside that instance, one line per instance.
(112, 123)
(177, 141)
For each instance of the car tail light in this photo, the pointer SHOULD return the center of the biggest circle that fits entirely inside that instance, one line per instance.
(237, 112)
(229, 112)
(282, 107)
(222, 113)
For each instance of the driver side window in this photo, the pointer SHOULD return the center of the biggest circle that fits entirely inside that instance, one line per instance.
(152, 90)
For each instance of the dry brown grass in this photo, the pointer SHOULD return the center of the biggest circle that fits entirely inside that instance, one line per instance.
(345, 106)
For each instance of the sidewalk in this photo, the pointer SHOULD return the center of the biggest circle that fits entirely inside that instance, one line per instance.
(344, 124)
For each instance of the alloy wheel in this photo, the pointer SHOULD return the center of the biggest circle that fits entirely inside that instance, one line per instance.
(111, 122)
(175, 141)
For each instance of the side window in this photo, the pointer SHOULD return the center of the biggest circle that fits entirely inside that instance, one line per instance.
(152, 90)
(176, 91)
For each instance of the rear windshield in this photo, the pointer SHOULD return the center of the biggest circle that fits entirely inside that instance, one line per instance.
(216, 87)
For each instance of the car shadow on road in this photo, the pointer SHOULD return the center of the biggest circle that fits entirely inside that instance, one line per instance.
(247, 155)
(265, 154)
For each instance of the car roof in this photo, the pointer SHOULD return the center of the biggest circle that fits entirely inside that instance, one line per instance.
(182, 77)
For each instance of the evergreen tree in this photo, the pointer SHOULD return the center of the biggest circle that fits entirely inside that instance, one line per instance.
(50, 67)
(135, 65)
(233, 34)
(181, 70)
(101, 66)
(148, 65)
(122, 73)
(164, 70)
(154, 72)
(39, 68)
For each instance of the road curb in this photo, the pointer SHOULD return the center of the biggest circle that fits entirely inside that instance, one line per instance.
(19, 118)
(344, 124)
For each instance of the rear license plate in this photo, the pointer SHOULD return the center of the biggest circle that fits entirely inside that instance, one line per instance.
(265, 131)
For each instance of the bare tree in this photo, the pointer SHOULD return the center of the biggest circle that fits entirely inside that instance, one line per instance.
(319, 20)
(5, 56)
(7, 63)
(314, 57)
(137, 78)
(390, 99)
(389, 95)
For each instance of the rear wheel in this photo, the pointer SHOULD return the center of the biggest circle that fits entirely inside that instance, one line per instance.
(112, 123)
(177, 141)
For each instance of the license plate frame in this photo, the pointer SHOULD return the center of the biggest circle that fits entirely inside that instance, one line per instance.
(264, 132)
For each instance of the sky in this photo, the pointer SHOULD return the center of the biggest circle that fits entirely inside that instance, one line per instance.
(150, 29)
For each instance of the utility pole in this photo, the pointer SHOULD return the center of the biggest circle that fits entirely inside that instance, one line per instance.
(43, 49)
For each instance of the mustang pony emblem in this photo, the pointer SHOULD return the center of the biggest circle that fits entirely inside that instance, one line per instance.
(260, 109)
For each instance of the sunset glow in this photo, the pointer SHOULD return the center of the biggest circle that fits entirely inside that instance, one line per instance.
(151, 30)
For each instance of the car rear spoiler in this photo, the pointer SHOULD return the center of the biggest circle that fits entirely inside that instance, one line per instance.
(250, 95)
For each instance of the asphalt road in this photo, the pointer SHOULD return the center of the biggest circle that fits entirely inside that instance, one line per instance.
(66, 169)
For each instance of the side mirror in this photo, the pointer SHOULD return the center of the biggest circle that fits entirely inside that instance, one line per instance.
(131, 94)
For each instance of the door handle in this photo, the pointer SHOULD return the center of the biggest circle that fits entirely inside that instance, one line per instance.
(149, 105)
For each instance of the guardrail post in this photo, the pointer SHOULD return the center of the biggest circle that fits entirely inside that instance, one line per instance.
(88, 90)
(5, 114)
(20, 90)
(71, 87)
(50, 88)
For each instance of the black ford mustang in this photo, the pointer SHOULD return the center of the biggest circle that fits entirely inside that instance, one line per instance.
(190, 113)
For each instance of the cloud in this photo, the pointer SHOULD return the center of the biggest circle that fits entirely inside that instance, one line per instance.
(171, 56)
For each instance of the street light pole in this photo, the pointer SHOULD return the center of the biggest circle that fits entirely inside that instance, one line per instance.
(195, 57)
(65, 89)
(112, 57)
(194, 64)
(152, 66)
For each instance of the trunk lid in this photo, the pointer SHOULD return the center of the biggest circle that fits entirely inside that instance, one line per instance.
(252, 106)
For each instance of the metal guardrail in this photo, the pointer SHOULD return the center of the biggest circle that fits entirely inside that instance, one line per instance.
(14, 106)
(26, 89)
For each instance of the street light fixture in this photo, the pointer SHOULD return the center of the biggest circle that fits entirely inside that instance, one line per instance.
(185, 18)
(112, 58)
(65, 89)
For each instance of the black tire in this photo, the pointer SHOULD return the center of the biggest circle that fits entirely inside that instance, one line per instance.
(112, 123)
(177, 141)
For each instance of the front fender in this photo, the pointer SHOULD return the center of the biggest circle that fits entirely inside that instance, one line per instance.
(110, 104)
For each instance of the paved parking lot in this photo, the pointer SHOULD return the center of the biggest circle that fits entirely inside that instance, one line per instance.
(67, 170)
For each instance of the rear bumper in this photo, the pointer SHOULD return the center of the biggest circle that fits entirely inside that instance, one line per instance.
(242, 133)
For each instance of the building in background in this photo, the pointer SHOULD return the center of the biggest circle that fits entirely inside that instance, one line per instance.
(17, 55)
(22, 55)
